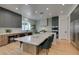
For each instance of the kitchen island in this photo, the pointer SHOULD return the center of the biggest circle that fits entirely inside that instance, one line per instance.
(31, 43)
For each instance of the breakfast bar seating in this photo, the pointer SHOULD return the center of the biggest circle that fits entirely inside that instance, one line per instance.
(47, 44)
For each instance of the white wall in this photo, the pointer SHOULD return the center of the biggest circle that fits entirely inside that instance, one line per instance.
(40, 24)
(64, 27)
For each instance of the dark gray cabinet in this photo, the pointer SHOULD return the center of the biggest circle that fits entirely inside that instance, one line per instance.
(55, 25)
(55, 21)
(9, 19)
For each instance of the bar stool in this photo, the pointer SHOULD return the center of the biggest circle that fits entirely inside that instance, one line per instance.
(21, 35)
(46, 44)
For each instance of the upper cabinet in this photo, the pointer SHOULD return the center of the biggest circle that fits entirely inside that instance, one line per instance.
(55, 21)
(9, 19)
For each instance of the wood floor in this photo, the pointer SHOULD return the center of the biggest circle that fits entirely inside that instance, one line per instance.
(62, 47)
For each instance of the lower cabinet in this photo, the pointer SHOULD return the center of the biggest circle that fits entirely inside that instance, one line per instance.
(3, 40)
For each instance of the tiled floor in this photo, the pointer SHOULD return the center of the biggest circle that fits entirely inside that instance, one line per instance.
(62, 47)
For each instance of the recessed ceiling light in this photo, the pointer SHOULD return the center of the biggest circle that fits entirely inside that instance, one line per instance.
(36, 12)
(47, 8)
(16, 8)
(61, 11)
(50, 14)
(26, 4)
(62, 4)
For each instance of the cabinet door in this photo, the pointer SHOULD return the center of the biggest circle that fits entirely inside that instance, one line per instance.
(77, 32)
(3, 40)
(72, 31)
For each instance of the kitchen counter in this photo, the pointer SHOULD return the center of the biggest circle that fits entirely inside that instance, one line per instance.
(4, 37)
(30, 43)
(35, 39)
(11, 33)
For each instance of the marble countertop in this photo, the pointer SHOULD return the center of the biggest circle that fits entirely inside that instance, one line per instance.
(11, 33)
(35, 39)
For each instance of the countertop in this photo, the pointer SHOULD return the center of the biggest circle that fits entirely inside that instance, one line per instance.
(11, 33)
(35, 39)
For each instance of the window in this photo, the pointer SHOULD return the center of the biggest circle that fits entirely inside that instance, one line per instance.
(26, 24)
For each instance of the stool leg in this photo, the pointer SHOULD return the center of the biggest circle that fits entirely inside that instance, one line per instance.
(47, 51)
(37, 51)
(20, 44)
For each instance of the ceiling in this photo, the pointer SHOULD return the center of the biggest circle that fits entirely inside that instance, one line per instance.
(39, 11)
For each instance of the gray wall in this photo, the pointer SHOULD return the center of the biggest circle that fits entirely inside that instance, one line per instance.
(9, 19)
